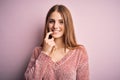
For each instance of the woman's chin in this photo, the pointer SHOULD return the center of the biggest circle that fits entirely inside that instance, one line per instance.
(56, 36)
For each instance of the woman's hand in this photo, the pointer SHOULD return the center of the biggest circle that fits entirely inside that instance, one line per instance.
(49, 44)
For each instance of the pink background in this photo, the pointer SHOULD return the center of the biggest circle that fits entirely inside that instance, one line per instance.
(97, 26)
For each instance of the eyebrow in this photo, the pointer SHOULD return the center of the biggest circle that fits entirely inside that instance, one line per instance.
(51, 19)
(58, 19)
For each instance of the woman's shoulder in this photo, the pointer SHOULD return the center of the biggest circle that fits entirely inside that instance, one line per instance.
(37, 48)
(81, 50)
(80, 47)
(36, 51)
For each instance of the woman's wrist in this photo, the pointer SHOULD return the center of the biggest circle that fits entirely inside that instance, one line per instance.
(44, 52)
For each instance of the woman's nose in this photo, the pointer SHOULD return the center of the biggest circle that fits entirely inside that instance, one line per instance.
(56, 25)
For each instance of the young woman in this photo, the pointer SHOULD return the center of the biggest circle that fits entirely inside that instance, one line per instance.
(59, 57)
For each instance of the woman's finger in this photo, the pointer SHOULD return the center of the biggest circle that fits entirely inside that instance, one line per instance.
(48, 34)
(52, 43)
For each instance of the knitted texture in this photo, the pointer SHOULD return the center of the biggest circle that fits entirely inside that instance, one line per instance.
(73, 66)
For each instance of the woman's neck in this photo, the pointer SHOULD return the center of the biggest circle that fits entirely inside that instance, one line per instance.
(59, 43)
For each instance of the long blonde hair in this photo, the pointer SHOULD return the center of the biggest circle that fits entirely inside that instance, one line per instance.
(69, 35)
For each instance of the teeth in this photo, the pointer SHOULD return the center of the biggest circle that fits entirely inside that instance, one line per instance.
(56, 31)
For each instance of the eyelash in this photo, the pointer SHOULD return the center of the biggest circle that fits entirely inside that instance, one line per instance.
(51, 21)
(61, 22)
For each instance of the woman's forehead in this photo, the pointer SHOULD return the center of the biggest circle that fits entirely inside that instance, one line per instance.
(56, 15)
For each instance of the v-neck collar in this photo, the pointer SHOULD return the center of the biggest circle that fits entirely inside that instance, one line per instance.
(62, 60)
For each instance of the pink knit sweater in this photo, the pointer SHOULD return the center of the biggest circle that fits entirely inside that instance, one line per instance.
(73, 66)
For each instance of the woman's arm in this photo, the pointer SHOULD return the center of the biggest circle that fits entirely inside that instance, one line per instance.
(83, 66)
(37, 65)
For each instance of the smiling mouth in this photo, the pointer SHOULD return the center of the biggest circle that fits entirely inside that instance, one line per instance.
(55, 31)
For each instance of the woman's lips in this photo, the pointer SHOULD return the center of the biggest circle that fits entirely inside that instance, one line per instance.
(55, 31)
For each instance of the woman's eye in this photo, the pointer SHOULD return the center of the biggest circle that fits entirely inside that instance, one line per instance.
(50, 21)
(61, 22)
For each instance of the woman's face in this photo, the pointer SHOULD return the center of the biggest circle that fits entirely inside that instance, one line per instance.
(56, 25)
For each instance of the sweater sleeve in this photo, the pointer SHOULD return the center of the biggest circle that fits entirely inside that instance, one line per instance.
(83, 67)
(37, 65)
